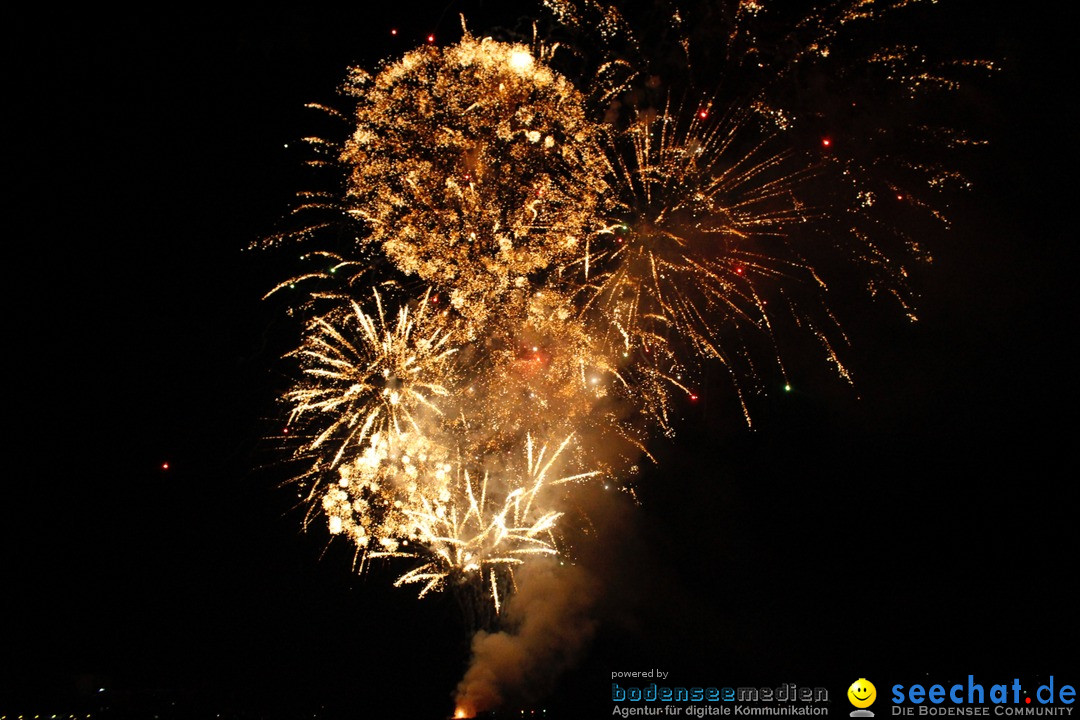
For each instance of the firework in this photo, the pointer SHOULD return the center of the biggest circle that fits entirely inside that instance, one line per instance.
(474, 166)
(697, 232)
(485, 530)
(571, 248)
(362, 376)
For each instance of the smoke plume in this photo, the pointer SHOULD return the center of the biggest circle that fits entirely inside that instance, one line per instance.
(547, 623)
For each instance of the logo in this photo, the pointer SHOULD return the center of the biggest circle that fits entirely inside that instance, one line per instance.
(975, 698)
(862, 694)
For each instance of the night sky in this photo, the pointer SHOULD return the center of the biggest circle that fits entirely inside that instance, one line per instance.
(921, 521)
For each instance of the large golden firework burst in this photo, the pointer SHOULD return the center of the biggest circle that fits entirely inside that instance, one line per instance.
(474, 166)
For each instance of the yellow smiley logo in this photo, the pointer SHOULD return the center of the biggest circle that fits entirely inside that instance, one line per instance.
(862, 693)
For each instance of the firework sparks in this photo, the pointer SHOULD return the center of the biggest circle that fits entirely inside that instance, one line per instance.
(590, 242)
(496, 526)
(474, 166)
(697, 229)
(366, 382)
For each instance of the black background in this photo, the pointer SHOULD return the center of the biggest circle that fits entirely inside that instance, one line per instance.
(923, 522)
